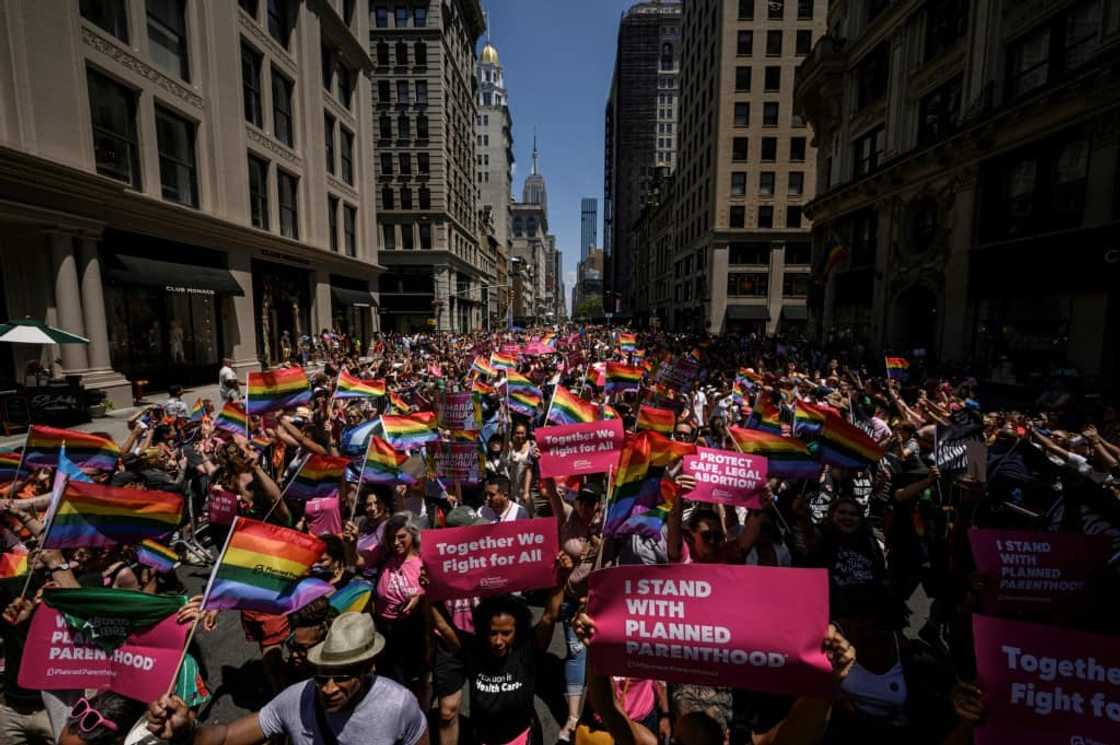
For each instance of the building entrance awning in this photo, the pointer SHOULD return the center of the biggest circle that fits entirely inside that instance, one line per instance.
(173, 276)
(748, 313)
(357, 298)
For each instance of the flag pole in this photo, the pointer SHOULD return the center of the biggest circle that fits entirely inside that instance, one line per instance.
(361, 472)
(57, 488)
(603, 527)
(551, 401)
(22, 455)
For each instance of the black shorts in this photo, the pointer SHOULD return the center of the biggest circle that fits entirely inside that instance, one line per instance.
(449, 667)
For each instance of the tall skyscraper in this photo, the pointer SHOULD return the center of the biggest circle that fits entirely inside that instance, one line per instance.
(588, 224)
(425, 110)
(641, 132)
(494, 141)
(531, 247)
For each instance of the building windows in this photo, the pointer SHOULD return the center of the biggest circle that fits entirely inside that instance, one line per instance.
(420, 54)
(425, 198)
(381, 17)
(867, 151)
(746, 10)
(939, 112)
(332, 221)
(805, 10)
(328, 132)
(770, 114)
(349, 229)
(281, 20)
(769, 149)
(167, 33)
(795, 285)
(798, 253)
(666, 56)
(388, 237)
(420, 16)
(110, 16)
(1038, 189)
(793, 216)
(766, 184)
(406, 236)
(738, 183)
(775, 9)
(385, 127)
(423, 165)
(258, 192)
(774, 43)
(421, 92)
(797, 149)
(282, 108)
(745, 46)
(402, 17)
(404, 129)
(752, 284)
(742, 78)
(402, 93)
(251, 85)
(345, 86)
(773, 80)
(386, 197)
(346, 155)
(872, 75)
(946, 23)
(739, 148)
(742, 114)
(384, 97)
(425, 236)
(381, 53)
(406, 198)
(175, 140)
(405, 162)
(804, 44)
(115, 144)
(796, 184)
(287, 188)
(328, 65)
(386, 164)
(348, 11)
(765, 216)
(737, 217)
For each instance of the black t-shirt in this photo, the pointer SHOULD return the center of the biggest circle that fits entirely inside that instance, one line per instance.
(502, 692)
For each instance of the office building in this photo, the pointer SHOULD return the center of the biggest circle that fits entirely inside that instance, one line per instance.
(588, 225)
(494, 140)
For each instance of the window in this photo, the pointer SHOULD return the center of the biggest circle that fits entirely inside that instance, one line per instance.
(386, 197)
(770, 114)
(281, 19)
(742, 114)
(769, 149)
(175, 139)
(738, 183)
(742, 78)
(382, 54)
(775, 9)
(404, 127)
(795, 285)
(765, 216)
(328, 63)
(746, 10)
(108, 15)
(345, 86)
(738, 217)
(251, 85)
(747, 285)
(773, 79)
(115, 144)
(766, 184)
(420, 53)
(349, 229)
(348, 11)
(249, 6)
(282, 108)
(384, 96)
(745, 46)
(388, 237)
(420, 16)
(756, 253)
(946, 23)
(1037, 189)
(406, 198)
(288, 191)
(405, 161)
(402, 93)
(347, 155)
(739, 148)
(402, 17)
(258, 192)
(421, 92)
(774, 43)
(939, 112)
(666, 56)
(804, 10)
(798, 253)
(868, 150)
(425, 198)
(402, 54)
(872, 75)
(406, 236)
(796, 183)
(385, 127)
(804, 43)
(332, 221)
(386, 164)
(797, 149)
(381, 17)
(328, 132)
(425, 236)
(793, 216)
(167, 32)
(423, 165)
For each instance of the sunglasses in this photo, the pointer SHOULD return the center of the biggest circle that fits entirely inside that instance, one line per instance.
(323, 679)
(87, 718)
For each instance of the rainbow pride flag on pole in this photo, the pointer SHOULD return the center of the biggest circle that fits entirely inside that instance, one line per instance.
(661, 421)
(96, 515)
(354, 598)
(483, 366)
(198, 411)
(411, 431)
(154, 554)
(398, 405)
(263, 568)
(567, 408)
(351, 386)
(232, 419)
(383, 464)
(82, 448)
(319, 477)
(808, 418)
(9, 467)
(623, 377)
(524, 397)
(639, 502)
(845, 445)
(786, 458)
(766, 415)
(500, 361)
(627, 342)
(898, 368)
(285, 388)
(13, 563)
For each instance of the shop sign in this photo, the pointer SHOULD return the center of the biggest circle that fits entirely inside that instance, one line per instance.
(188, 290)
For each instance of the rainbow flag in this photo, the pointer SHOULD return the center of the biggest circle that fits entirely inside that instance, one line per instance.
(661, 421)
(232, 418)
(398, 405)
(609, 412)
(636, 493)
(263, 567)
(198, 411)
(786, 458)
(82, 448)
(845, 445)
(524, 397)
(765, 415)
(482, 365)
(481, 389)
(351, 386)
(567, 408)
(501, 361)
(354, 598)
(9, 466)
(411, 431)
(464, 435)
(808, 418)
(383, 464)
(154, 554)
(623, 377)
(627, 342)
(319, 477)
(898, 368)
(13, 563)
(96, 515)
(285, 388)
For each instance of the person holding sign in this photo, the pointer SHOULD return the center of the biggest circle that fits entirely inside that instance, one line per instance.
(399, 598)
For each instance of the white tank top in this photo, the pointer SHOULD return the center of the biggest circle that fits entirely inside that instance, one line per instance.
(882, 696)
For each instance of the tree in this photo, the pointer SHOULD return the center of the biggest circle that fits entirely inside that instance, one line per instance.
(592, 307)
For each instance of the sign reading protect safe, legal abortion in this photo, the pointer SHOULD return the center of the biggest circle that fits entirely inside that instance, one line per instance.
(495, 559)
(1044, 684)
(670, 622)
(725, 477)
(576, 449)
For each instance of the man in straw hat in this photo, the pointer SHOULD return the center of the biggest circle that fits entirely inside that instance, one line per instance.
(345, 703)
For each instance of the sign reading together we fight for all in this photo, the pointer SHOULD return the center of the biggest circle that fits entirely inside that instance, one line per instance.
(577, 449)
(494, 559)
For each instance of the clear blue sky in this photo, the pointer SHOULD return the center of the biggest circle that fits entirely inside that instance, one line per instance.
(558, 58)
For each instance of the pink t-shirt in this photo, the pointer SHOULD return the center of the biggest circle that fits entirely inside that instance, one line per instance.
(323, 516)
(398, 582)
(461, 611)
(637, 696)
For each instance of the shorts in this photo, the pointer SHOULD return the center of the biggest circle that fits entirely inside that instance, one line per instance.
(405, 656)
(266, 629)
(449, 667)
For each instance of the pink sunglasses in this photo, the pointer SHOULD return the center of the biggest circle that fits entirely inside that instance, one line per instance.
(83, 713)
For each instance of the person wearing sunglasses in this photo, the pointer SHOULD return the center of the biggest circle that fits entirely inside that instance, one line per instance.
(345, 703)
(104, 719)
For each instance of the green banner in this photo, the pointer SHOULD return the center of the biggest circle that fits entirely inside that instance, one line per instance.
(106, 617)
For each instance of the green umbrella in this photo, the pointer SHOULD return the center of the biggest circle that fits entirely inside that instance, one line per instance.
(29, 331)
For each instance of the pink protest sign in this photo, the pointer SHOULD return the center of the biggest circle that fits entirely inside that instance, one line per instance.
(1032, 571)
(57, 658)
(576, 449)
(680, 374)
(461, 461)
(726, 477)
(679, 623)
(510, 349)
(223, 506)
(491, 559)
(1044, 684)
(458, 411)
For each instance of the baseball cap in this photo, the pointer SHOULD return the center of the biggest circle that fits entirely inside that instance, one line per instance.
(463, 516)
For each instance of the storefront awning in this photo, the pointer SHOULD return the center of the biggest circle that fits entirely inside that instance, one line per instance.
(173, 276)
(748, 313)
(795, 313)
(357, 298)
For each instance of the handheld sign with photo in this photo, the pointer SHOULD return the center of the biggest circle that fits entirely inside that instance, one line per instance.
(457, 461)
(458, 411)
(724, 477)
(1045, 685)
(669, 622)
(495, 559)
(1033, 571)
(578, 449)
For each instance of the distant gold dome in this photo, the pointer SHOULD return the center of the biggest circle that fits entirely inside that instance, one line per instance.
(489, 55)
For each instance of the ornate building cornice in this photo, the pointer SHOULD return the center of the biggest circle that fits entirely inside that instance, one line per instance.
(261, 139)
(124, 57)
